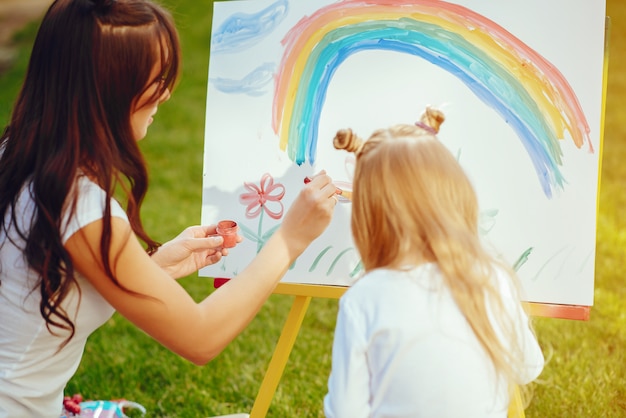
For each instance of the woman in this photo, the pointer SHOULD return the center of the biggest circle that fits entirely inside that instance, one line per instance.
(70, 254)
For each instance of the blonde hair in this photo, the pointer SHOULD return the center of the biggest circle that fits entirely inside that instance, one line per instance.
(412, 200)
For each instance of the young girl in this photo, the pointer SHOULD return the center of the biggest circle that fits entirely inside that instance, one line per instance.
(435, 327)
(70, 254)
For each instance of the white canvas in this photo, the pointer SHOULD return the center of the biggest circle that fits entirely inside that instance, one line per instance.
(520, 83)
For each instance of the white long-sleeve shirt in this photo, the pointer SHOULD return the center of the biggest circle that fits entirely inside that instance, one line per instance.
(402, 348)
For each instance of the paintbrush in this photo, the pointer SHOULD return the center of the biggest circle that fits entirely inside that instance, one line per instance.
(343, 193)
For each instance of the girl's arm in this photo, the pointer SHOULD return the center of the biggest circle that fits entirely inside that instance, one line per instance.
(532, 362)
(349, 381)
(164, 310)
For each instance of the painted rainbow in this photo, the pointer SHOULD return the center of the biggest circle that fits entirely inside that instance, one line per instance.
(517, 82)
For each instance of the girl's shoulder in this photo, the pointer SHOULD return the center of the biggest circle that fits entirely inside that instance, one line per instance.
(505, 282)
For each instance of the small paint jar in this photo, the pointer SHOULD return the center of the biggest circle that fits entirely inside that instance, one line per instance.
(228, 230)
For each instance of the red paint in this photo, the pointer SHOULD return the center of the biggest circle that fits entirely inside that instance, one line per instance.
(307, 180)
(219, 281)
(228, 230)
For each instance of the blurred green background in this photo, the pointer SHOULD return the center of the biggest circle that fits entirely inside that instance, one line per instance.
(586, 371)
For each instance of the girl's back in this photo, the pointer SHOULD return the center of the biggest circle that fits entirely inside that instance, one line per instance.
(401, 339)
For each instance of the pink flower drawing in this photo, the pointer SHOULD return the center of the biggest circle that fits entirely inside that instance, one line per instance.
(260, 197)
(259, 200)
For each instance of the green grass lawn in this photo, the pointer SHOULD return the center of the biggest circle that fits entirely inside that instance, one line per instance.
(586, 371)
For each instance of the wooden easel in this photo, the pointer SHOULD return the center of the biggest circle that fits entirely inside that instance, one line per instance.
(303, 295)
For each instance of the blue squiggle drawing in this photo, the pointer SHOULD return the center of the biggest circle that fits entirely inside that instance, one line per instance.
(252, 84)
(242, 30)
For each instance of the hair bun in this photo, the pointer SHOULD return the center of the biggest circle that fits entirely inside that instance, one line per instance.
(431, 120)
(346, 139)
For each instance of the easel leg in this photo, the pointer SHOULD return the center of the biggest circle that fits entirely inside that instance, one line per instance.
(516, 407)
(280, 357)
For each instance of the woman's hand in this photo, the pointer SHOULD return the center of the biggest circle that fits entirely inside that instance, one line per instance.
(310, 213)
(192, 249)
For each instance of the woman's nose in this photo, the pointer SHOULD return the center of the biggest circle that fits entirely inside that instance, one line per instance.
(165, 96)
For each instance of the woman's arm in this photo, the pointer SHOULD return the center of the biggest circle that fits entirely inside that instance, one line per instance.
(163, 309)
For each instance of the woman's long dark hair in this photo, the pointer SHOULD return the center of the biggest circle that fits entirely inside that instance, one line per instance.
(90, 62)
